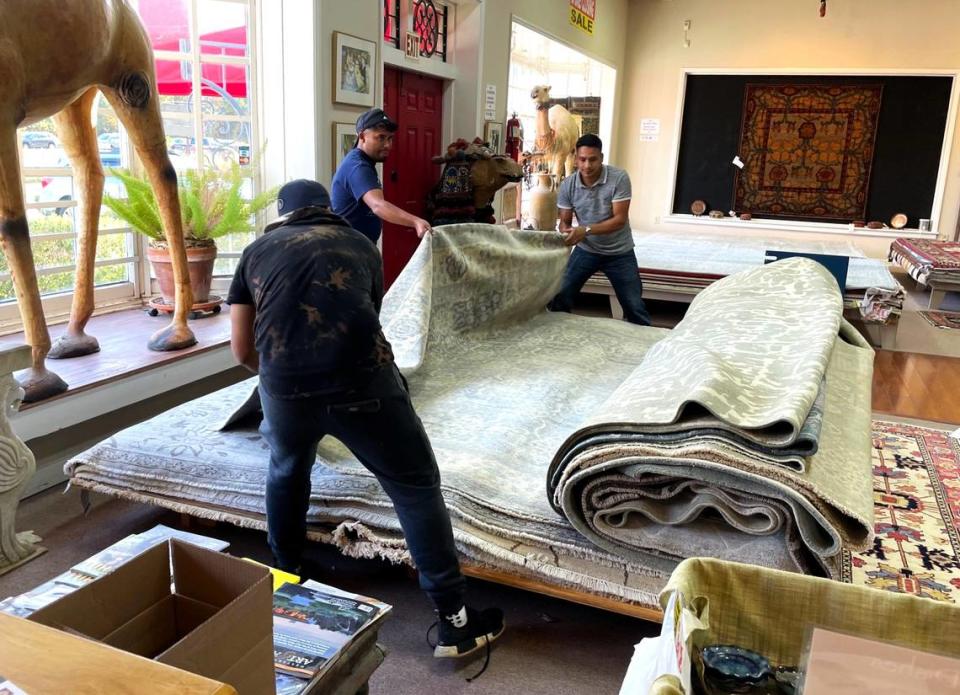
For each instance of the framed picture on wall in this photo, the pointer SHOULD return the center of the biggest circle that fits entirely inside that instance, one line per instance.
(344, 135)
(493, 134)
(354, 70)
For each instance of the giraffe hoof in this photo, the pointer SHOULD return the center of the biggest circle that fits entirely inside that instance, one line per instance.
(73, 345)
(40, 384)
(172, 337)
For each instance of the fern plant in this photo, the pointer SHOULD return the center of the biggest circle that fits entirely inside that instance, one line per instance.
(211, 205)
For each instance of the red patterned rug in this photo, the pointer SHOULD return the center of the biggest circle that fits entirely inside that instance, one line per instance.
(807, 150)
(934, 252)
(916, 473)
(941, 319)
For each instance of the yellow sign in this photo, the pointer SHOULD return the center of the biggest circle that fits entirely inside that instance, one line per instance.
(583, 14)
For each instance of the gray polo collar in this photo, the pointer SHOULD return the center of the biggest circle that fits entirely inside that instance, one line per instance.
(603, 179)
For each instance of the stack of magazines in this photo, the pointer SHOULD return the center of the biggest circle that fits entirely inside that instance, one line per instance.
(314, 625)
(102, 563)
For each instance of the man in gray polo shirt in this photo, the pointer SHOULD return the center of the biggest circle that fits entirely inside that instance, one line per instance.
(599, 195)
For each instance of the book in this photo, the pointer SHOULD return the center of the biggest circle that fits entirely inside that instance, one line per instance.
(279, 577)
(288, 685)
(10, 606)
(8, 688)
(334, 591)
(310, 627)
(44, 595)
(161, 533)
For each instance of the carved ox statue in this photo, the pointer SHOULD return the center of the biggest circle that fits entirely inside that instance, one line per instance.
(470, 177)
(54, 56)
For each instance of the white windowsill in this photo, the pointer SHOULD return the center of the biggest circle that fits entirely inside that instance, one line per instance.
(795, 226)
(43, 419)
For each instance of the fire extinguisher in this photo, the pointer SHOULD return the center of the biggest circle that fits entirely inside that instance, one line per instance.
(514, 137)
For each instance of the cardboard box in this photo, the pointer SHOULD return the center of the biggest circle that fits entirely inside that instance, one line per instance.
(216, 621)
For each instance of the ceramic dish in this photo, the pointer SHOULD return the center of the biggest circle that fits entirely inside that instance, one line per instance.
(898, 221)
(698, 207)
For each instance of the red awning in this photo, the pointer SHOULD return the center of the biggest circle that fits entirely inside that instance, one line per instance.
(168, 26)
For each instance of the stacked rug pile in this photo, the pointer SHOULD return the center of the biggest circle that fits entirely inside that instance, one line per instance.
(740, 434)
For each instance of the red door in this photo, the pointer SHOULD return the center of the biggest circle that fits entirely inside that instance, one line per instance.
(415, 103)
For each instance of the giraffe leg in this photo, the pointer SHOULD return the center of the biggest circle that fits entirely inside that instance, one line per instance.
(137, 108)
(79, 138)
(38, 382)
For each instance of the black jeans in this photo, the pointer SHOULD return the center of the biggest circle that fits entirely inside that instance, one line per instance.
(378, 424)
(621, 271)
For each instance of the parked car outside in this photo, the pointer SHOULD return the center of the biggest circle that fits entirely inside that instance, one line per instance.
(60, 189)
(108, 143)
(39, 140)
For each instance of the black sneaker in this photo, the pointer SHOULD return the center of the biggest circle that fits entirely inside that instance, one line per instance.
(467, 630)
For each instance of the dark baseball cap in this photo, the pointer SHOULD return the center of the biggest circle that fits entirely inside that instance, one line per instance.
(301, 193)
(375, 118)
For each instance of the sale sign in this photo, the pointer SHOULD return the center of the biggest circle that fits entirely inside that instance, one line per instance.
(583, 13)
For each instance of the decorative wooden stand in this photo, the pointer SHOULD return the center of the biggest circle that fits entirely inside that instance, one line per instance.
(17, 465)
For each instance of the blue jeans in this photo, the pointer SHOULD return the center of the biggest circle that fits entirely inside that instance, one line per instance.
(621, 271)
(378, 424)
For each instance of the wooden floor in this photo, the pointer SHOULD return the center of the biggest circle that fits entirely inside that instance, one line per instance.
(123, 339)
(912, 385)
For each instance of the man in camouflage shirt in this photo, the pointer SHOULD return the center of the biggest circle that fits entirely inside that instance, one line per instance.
(305, 303)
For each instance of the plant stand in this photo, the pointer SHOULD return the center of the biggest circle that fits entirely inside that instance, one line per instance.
(199, 310)
(17, 466)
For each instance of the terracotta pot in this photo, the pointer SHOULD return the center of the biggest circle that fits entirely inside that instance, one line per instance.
(543, 204)
(200, 261)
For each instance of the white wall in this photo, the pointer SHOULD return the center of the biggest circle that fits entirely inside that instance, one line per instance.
(765, 35)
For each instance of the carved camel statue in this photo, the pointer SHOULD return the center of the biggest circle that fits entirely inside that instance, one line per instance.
(489, 173)
(557, 133)
(54, 67)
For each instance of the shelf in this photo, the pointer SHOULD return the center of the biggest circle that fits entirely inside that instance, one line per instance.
(795, 226)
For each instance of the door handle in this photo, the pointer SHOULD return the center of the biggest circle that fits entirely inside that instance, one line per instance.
(393, 175)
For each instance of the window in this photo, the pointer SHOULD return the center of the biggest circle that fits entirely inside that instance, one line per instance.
(536, 59)
(425, 20)
(205, 76)
(205, 80)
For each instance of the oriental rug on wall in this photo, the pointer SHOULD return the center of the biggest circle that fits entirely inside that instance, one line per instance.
(916, 487)
(807, 150)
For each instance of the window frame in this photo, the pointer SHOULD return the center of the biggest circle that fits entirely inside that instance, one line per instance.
(140, 285)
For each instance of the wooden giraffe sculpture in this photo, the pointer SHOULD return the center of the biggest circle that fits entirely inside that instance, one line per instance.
(54, 56)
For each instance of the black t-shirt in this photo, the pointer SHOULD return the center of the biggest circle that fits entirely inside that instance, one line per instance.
(317, 285)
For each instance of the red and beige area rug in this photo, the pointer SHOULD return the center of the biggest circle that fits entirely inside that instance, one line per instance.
(807, 150)
(916, 474)
(942, 319)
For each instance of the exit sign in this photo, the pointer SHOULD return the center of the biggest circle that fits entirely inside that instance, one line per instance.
(583, 13)
(411, 47)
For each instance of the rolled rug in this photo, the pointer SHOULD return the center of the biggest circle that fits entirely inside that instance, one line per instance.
(695, 454)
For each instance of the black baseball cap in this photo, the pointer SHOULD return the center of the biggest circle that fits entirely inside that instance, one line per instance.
(375, 118)
(301, 193)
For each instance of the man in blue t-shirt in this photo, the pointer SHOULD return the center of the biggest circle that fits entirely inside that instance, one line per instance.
(356, 192)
